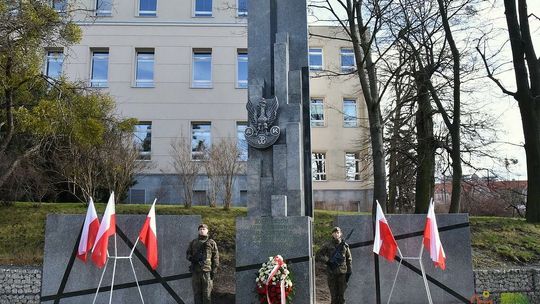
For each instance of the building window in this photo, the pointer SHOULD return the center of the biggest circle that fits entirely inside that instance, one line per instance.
(201, 139)
(59, 5)
(242, 8)
(147, 7)
(350, 115)
(352, 166)
(348, 63)
(203, 8)
(318, 165)
(241, 144)
(100, 69)
(137, 196)
(242, 69)
(53, 68)
(145, 69)
(317, 112)
(143, 139)
(202, 69)
(315, 59)
(104, 7)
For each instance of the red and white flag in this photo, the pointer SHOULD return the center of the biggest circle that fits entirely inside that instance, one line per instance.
(89, 231)
(384, 243)
(107, 228)
(432, 242)
(148, 236)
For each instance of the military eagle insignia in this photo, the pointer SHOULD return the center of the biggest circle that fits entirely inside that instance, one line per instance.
(260, 132)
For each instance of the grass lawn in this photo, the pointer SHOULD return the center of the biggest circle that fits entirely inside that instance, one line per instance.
(497, 242)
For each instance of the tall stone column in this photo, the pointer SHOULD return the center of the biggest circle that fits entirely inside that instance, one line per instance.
(280, 210)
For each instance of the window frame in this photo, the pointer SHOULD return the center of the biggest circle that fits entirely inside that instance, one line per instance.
(241, 84)
(202, 154)
(317, 68)
(64, 7)
(318, 176)
(356, 160)
(141, 13)
(348, 123)
(144, 155)
(101, 83)
(201, 84)
(238, 140)
(347, 68)
(203, 14)
(103, 13)
(48, 53)
(316, 123)
(238, 12)
(139, 83)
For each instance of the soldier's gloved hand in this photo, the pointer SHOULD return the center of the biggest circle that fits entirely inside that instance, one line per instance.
(348, 276)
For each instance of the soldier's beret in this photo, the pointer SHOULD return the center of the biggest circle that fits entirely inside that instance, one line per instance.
(202, 226)
(336, 229)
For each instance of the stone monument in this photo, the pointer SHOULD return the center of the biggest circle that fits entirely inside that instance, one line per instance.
(280, 211)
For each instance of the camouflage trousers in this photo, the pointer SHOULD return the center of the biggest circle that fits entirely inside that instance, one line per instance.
(337, 285)
(202, 287)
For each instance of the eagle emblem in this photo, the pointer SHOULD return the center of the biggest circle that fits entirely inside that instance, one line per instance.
(261, 133)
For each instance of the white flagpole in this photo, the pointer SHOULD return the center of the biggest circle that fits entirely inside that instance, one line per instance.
(114, 269)
(395, 278)
(136, 280)
(101, 279)
(424, 275)
(134, 245)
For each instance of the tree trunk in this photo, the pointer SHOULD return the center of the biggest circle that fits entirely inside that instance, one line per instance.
(368, 82)
(457, 174)
(393, 162)
(454, 127)
(426, 146)
(527, 95)
(8, 95)
(531, 127)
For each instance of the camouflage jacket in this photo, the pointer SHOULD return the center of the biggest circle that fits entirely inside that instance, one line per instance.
(328, 250)
(203, 254)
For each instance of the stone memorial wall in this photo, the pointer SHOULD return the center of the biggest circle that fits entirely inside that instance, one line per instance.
(453, 285)
(68, 279)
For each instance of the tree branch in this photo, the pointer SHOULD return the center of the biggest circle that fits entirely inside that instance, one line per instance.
(490, 75)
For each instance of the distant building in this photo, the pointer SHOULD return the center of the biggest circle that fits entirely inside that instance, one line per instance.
(481, 196)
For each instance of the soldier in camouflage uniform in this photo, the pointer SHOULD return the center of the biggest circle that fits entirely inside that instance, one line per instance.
(337, 257)
(204, 257)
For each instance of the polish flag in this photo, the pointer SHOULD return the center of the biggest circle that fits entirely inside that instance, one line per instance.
(148, 237)
(89, 231)
(432, 242)
(106, 229)
(384, 243)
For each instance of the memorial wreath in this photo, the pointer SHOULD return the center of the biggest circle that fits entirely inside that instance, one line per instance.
(274, 282)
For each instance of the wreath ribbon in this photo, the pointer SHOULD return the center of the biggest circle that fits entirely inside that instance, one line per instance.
(280, 263)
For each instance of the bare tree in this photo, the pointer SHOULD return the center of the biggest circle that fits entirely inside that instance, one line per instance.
(224, 165)
(185, 168)
(527, 77)
(401, 147)
(80, 169)
(120, 163)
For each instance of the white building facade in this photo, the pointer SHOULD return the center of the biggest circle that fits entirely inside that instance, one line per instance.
(180, 68)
